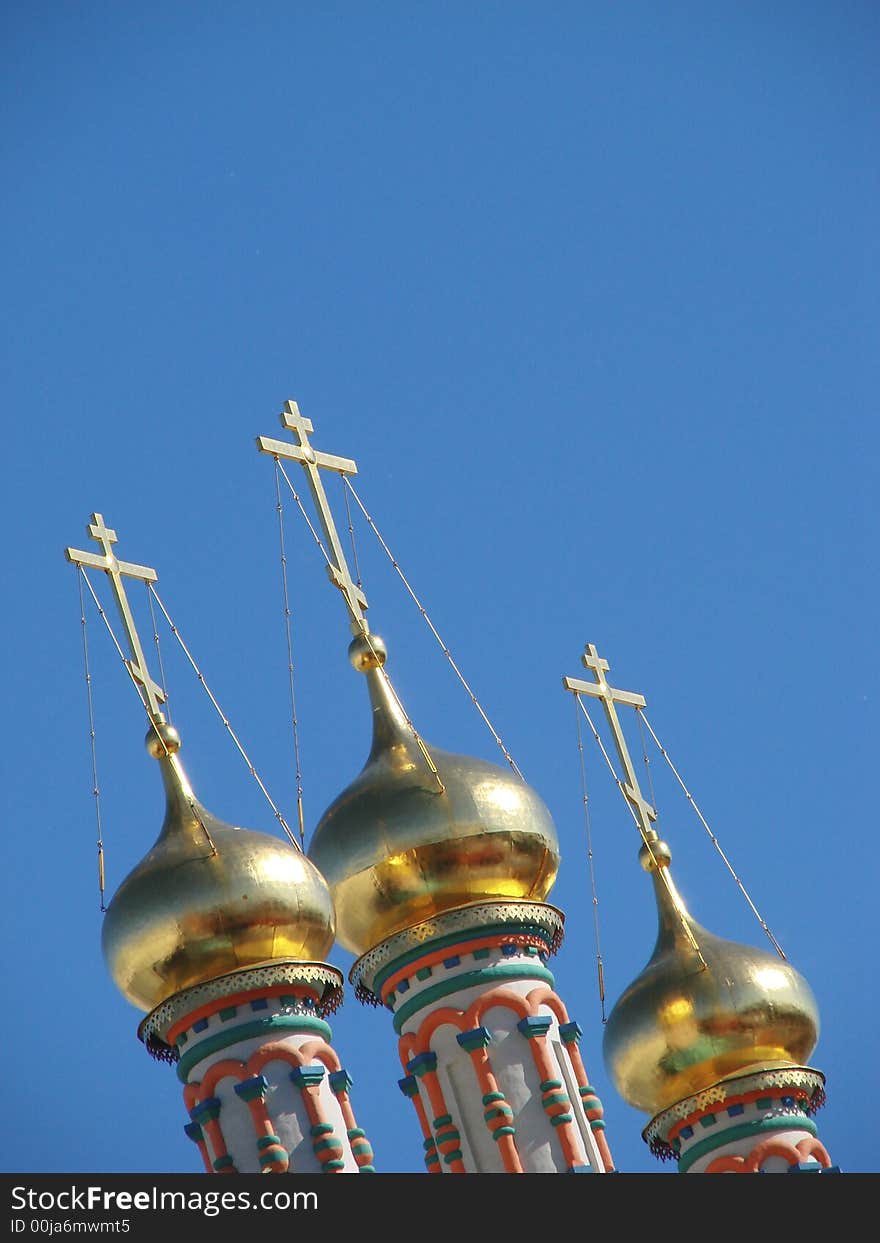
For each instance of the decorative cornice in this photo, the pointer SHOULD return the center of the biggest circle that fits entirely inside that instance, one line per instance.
(265, 1028)
(811, 1082)
(546, 920)
(326, 981)
(470, 979)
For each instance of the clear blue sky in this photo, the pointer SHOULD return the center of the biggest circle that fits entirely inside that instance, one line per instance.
(590, 293)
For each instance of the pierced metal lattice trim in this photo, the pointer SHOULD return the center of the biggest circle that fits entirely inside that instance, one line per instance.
(158, 1022)
(811, 1081)
(465, 919)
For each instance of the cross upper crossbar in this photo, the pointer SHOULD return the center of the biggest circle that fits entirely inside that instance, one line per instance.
(610, 696)
(312, 462)
(116, 570)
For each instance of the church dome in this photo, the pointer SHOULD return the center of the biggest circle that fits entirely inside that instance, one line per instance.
(209, 898)
(682, 1027)
(396, 849)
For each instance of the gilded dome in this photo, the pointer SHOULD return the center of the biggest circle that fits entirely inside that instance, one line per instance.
(209, 898)
(397, 849)
(681, 1027)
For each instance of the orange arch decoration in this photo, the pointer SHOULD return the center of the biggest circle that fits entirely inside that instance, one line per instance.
(503, 997)
(464, 1020)
(811, 1147)
(793, 1154)
(227, 1069)
(311, 1051)
(315, 1050)
(413, 1044)
(544, 995)
(768, 1148)
(727, 1165)
(319, 1050)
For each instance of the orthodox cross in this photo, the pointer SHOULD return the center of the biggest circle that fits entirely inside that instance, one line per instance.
(610, 696)
(643, 810)
(116, 570)
(313, 462)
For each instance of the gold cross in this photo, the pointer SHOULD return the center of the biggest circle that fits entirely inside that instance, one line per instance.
(610, 696)
(312, 462)
(644, 812)
(116, 570)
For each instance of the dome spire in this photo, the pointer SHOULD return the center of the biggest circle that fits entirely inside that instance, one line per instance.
(367, 652)
(391, 726)
(643, 813)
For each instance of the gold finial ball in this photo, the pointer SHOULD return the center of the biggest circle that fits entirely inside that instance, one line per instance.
(185, 915)
(162, 739)
(367, 651)
(656, 855)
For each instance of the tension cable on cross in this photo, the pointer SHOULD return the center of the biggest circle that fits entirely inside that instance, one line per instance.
(690, 798)
(646, 760)
(159, 653)
(96, 791)
(290, 674)
(600, 969)
(446, 652)
(302, 509)
(354, 551)
(225, 720)
(150, 693)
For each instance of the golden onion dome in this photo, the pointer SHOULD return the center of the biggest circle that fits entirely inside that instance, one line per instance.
(397, 849)
(209, 898)
(681, 1027)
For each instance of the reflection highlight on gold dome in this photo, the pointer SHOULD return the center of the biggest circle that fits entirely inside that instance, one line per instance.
(209, 898)
(680, 1027)
(397, 849)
